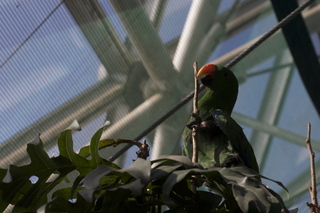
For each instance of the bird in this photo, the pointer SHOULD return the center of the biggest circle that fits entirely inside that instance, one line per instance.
(221, 140)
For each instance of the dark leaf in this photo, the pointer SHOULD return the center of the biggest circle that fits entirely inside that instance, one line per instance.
(65, 193)
(164, 170)
(207, 201)
(169, 159)
(60, 204)
(17, 189)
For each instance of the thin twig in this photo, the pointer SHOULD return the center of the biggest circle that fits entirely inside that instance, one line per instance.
(313, 189)
(195, 148)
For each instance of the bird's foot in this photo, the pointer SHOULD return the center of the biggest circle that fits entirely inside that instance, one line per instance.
(231, 161)
(195, 122)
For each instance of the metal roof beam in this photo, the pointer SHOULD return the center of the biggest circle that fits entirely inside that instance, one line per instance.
(101, 35)
(299, 185)
(301, 47)
(84, 108)
(271, 106)
(201, 17)
(156, 12)
(275, 42)
(158, 64)
(166, 137)
(275, 131)
(310, 16)
(147, 42)
(56, 121)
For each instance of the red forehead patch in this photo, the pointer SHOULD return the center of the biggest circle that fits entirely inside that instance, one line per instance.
(209, 67)
(206, 70)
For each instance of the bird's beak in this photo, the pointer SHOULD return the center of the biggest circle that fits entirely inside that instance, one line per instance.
(206, 70)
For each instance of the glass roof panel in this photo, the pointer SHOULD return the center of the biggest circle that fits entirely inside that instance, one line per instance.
(42, 65)
(61, 61)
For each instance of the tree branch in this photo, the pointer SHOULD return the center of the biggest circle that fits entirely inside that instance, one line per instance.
(195, 149)
(313, 189)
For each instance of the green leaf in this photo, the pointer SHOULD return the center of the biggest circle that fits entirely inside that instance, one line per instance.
(20, 186)
(104, 143)
(17, 189)
(169, 159)
(108, 188)
(92, 179)
(207, 201)
(240, 186)
(164, 170)
(114, 201)
(65, 193)
(75, 185)
(140, 170)
(251, 173)
(174, 178)
(60, 204)
(65, 145)
(249, 192)
(96, 160)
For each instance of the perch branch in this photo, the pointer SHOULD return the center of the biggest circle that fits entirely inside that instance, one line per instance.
(313, 189)
(195, 149)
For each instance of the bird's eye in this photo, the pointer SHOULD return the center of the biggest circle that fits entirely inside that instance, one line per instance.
(225, 74)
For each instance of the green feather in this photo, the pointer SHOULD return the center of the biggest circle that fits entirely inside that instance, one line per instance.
(222, 142)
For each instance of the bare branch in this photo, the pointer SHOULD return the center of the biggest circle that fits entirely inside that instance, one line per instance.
(313, 189)
(195, 148)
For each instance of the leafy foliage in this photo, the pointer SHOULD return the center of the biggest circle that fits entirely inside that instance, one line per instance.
(164, 184)
(16, 187)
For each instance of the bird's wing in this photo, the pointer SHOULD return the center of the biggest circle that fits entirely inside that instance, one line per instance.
(236, 137)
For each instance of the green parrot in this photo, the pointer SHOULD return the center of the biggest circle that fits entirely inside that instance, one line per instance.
(221, 140)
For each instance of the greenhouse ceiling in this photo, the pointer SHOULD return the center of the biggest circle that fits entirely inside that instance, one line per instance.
(130, 62)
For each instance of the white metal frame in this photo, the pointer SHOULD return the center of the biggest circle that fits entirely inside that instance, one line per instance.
(112, 52)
